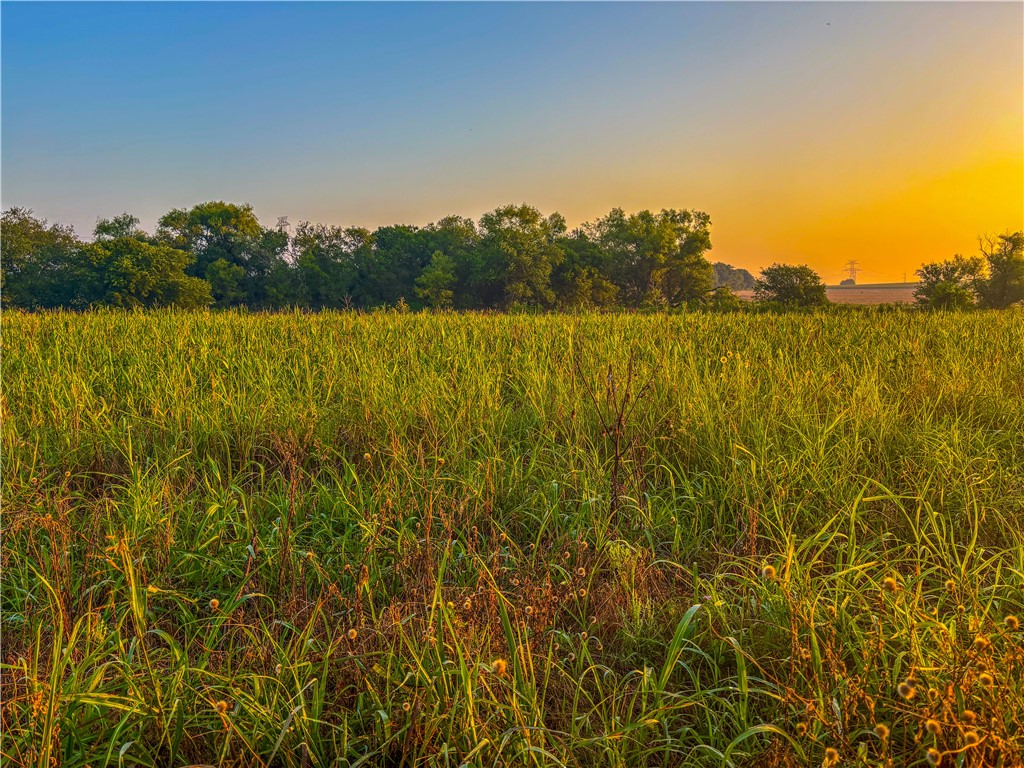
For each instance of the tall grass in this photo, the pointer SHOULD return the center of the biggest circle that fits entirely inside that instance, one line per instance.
(350, 539)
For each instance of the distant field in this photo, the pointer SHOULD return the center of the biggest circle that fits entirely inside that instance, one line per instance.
(484, 540)
(879, 293)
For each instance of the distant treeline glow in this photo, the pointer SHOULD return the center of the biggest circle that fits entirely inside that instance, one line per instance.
(219, 254)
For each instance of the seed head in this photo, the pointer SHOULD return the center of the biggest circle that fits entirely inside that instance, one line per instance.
(934, 757)
(971, 738)
(831, 756)
(905, 690)
(467, 605)
(581, 572)
(499, 667)
(406, 706)
(981, 642)
(969, 716)
(583, 593)
(1012, 623)
(933, 727)
(353, 634)
(805, 654)
(801, 729)
(882, 731)
(214, 604)
(986, 679)
(367, 456)
(221, 707)
(529, 610)
(950, 585)
(768, 572)
(889, 584)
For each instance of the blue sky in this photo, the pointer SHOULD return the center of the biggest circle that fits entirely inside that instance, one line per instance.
(791, 124)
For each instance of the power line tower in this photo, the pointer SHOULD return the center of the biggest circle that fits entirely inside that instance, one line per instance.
(852, 268)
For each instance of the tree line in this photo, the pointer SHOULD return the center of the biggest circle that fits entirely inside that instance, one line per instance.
(218, 254)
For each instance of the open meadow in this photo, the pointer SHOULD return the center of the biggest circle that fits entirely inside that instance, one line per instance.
(446, 539)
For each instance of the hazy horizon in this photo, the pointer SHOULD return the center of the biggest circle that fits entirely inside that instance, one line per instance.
(813, 133)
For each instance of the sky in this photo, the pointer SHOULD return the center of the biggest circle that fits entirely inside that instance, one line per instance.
(889, 133)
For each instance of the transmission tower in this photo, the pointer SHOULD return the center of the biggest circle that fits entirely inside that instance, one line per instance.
(852, 268)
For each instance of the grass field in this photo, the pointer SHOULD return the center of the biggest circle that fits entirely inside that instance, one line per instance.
(623, 540)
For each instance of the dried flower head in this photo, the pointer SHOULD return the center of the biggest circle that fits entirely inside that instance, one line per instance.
(406, 706)
(934, 757)
(801, 729)
(367, 456)
(499, 667)
(831, 756)
(882, 731)
(986, 679)
(950, 585)
(933, 727)
(583, 593)
(981, 642)
(529, 610)
(581, 572)
(352, 634)
(214, 604)
(968, 716)
(1012, 623)
(805, 654)
(221, 707)
(889, 584)
(905, 690)
(971, 738)
(768, 572)
(467, 605)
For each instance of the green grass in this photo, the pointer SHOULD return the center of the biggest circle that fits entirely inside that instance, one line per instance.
(483, 540)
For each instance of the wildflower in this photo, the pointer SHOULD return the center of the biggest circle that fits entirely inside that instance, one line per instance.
(933, 727)
(1012, 623)
(889, 584)
(986, 679)
(593, 619)
(584, 636)
(152, 589)
(581, 572)
(451, 605)
(723, 360)
(981, 642)
(801, 729)
(906, 690)
(467, 605)
(221, 707)
(529, 610)
(406, 706)
(768, 572)
(352, 634)
(499, 667)
(584, 545)
(831, 756)
(214, 604)
(882, 731)
(515, 582)
(934, 757)
(969, 716)
(971, 738)
(960, 608)
(367, 456)
(583, 593)
(950, 585)
(440, 462)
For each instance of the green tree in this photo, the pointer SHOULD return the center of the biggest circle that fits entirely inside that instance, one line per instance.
(791, 286)
(125, 225)
(435, 285)
(1004, 284)
(951, 284)
(226, 283)
(518, 253)
(580, 280)
(732, 277)
(657, 259)
(133, 273)
(42, 265)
